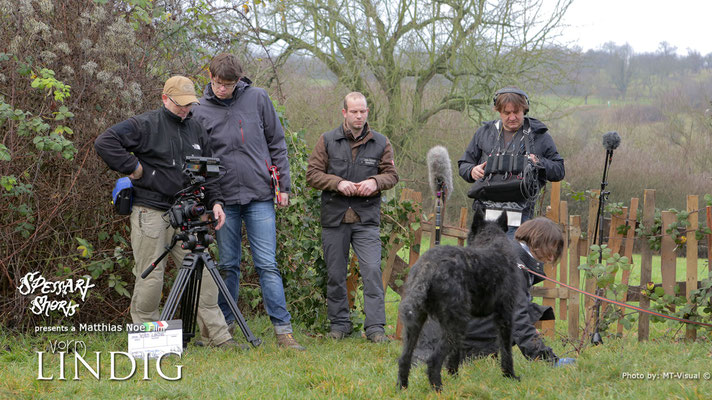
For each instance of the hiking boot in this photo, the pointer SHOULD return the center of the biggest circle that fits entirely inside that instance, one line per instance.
(286, 340)
(336, 335)
(232, 344)
(231, 328)
(378, 337)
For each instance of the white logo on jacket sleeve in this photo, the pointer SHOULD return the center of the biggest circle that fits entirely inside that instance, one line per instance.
(196, 146)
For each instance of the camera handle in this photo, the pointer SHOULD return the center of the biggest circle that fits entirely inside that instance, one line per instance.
(153, 265)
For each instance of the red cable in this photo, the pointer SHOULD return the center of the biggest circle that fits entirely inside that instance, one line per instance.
(618, 303)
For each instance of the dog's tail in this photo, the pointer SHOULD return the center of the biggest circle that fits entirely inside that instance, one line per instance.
(413, 304)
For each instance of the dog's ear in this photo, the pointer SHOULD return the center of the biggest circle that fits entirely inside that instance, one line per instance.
(502, 221)
(478, 220)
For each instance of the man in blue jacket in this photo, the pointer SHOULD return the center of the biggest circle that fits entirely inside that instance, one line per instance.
(151, 149)
(245, 133)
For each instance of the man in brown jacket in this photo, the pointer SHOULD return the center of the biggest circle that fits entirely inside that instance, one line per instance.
(351, 165)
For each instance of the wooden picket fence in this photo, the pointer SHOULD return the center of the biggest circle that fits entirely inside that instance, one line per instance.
(577, 246)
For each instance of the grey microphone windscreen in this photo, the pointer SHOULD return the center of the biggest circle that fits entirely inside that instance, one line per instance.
(439, 170)
(611, 140)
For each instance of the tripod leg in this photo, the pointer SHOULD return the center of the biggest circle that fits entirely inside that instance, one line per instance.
(213, 270)
(185, 280)
(189, 302)
(179, 286)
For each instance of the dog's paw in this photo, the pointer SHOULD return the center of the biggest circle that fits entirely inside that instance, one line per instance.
(512, 376)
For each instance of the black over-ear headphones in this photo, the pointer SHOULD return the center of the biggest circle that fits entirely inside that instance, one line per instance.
(509, 90)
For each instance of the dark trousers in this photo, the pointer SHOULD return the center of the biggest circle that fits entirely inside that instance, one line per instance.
(366, 243)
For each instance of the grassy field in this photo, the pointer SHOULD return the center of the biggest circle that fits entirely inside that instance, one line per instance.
(664, 367)
(357, 369)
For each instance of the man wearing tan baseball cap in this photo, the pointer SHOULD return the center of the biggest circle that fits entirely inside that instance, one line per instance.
(179, 95)
(151, 149)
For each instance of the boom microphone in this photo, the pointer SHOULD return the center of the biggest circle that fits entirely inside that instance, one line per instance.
(611, 140)
(439, 170)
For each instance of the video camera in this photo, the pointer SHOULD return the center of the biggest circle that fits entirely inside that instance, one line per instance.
(187, 210)
(201, 167)
(189, 206)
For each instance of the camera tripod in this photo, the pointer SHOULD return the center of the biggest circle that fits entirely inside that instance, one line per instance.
(186, 288)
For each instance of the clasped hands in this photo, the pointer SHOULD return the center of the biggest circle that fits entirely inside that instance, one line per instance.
(364, 188)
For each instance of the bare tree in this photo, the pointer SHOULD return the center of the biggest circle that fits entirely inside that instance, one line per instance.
(416, 58)
(620, 67)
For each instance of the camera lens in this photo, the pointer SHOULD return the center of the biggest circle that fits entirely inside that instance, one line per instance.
(195, 211)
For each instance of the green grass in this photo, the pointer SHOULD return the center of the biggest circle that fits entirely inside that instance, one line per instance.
(356, 369)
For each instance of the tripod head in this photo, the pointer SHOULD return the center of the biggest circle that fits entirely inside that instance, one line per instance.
(187, 214)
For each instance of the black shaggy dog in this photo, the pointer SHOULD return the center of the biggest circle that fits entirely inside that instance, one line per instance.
(453, 284)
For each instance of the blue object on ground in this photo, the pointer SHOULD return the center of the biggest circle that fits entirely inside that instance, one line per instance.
(565, 361)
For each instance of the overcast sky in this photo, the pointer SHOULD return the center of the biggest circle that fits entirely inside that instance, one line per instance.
(642, 23)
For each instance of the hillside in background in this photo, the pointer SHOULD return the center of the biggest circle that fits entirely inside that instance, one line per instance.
(661, 111)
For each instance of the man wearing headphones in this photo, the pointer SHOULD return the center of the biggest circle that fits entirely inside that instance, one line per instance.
(513, 134)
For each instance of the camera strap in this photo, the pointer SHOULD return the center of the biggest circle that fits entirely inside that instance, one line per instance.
(274, 175)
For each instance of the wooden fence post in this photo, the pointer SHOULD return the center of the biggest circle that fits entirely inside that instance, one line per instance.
(691, 267)
(351, 281)
(555, 201)
(564, 261)
(614, 237)
(547, 327)
(628, 252)
(668, 259)
(614, 241)
(646, 263)
(463, 225)
(574, 274)
(591, 282)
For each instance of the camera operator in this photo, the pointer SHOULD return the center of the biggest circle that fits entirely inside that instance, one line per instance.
(507, 135)
(151, 149)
